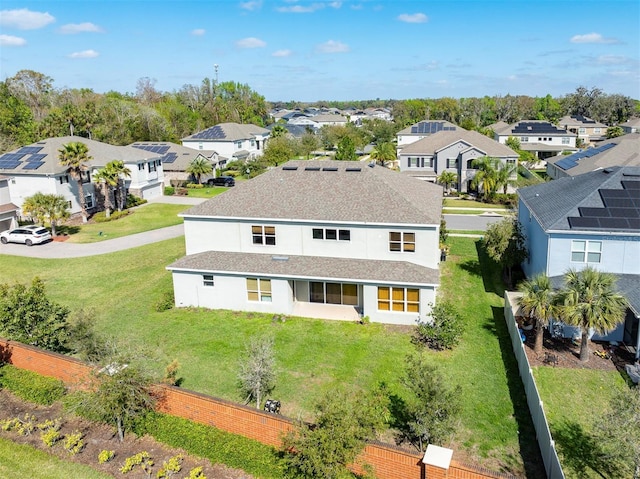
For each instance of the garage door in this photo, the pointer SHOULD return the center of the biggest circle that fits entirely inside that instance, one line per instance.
(5, 225)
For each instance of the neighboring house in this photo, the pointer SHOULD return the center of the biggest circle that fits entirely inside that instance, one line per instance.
(621, 151)
(294, 131)
(36, 168)
(452, 151)
(541, 138)
(631, 126)
(234, 141)
(176, 159)
(332, 119)
(588, 130)
(304, 121)
(8, 211)
(593, 220)
(421, 130)
(324, 239)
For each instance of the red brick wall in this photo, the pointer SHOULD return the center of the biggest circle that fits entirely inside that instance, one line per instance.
(388, 462)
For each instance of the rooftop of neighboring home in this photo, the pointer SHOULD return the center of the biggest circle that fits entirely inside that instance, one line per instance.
(295, 130)
(442, 139)
(43, 157)
(579, 121)
(329, 191)
(174, 157)
(331, 117)
(428, 127)
(631, 123)
(606, 200)
(229, 132)
(498, 126)
(532, 127)
(621, 151)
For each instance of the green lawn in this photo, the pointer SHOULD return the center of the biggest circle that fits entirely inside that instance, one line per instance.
(312, 355)
(19, 460)
(144, 218)
(206, 192)
(458, 203)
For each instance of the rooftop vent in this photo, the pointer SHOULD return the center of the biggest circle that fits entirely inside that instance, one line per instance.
(312, 168)
(280, 258)
(354, 169)
(290, 168)
(330, 168)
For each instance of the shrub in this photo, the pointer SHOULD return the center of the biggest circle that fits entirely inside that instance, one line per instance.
(101, 217)
(195, 185)
(133, 200)
(169, 190)
(165, 303)
(105, 456)
(442, 331)
(510, 199)
(141, 459)
(171, 467)
(171, 373)
(50, 431)
(182, 191)
(196, 473)
(30, 386)
(24, 426)
(74, 442)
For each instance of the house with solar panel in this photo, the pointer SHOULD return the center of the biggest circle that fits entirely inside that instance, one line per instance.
(177, 158)
(8, 211)
(36, 168)
(318, 238)
(621, 151)
(592, 220)
(421, 130)
(234, 141)
(541, 138)
(588, 130)
(455, 151)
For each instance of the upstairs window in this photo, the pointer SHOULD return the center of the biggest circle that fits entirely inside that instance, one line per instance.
(584, 251)
(331, 234)
(264, 235)
(565, 140)
(402, 241)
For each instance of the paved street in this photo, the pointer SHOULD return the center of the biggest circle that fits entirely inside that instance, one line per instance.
(471, 222)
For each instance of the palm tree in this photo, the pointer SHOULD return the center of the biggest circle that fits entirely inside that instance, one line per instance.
(108, 178)
(589, 300)
(74, 157)
(199, 166)
(537, 302)
(46, 207)
(486, 176)
(384, 153)
(503, 176)
(117, 168)
(446, 179)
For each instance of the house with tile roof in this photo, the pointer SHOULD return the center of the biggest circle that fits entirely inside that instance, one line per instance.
(421, 130)
(455, 151)
(588, 130)
(541, 138)
(8, 211)
(592, 220)
(36, 168)
(320, 238)
(177, 158)
(234, 141)
(631, 126)
(621, 151)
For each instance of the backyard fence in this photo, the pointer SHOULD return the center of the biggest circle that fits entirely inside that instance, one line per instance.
(543, 434)
(387, 461)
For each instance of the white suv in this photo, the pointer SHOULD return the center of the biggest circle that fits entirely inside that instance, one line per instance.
(28, 235)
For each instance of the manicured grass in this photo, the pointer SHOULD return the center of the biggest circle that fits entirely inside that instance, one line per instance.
(468, 232)
(312, 355)
(206, 192)
(144, 218)
(457, 203)
(573, 399)
(19, 460)
(477, 211)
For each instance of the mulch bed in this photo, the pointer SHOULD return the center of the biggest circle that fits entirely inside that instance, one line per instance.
(100, 437)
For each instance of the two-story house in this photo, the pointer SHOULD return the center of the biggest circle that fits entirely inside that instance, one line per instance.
(592, 220)
(588, 130)
(234, 141)
(36, 168)
(324, 239)
(8, 211)
(455, 151)
(421, 130)
(541, 138)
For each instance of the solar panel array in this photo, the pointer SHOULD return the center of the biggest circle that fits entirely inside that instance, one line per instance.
(10, 161)
(571, 161)
(169, 158)
(621, 210)
(582, 119)
(213, 133)
(536, 128)
(152, 147)
(26, 156)
(29, 150)
(429, 127)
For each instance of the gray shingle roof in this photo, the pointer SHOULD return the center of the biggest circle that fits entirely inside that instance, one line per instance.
(326, 190)
(437, 141)
(181, 154)
(101, 153)
(228, 132)
(315, 267)
(554, 202)
(445, 124)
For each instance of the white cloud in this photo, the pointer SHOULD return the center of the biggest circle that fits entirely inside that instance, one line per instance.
(335, 4)
(282, 53)
(72, 28)
(413, 18)
(11, 41)
(592, 38)
(332, 47)
(251, 5)
(84, 54)
(611, 60)
(303, 8)
(251, 42)
(198, 32)
(25, 19)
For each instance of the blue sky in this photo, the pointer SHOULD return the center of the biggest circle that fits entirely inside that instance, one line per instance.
(330, 50)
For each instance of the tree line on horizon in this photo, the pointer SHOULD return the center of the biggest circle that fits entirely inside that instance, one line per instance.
(32, 109)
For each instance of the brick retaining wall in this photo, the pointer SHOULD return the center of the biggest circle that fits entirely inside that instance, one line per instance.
(388, 462)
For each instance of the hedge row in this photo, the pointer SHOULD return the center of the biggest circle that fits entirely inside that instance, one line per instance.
(30, 386)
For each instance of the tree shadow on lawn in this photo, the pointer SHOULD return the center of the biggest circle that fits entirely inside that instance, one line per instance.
(581, 451)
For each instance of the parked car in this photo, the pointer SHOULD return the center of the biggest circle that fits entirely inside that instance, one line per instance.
(221, 181)
(28, 235)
